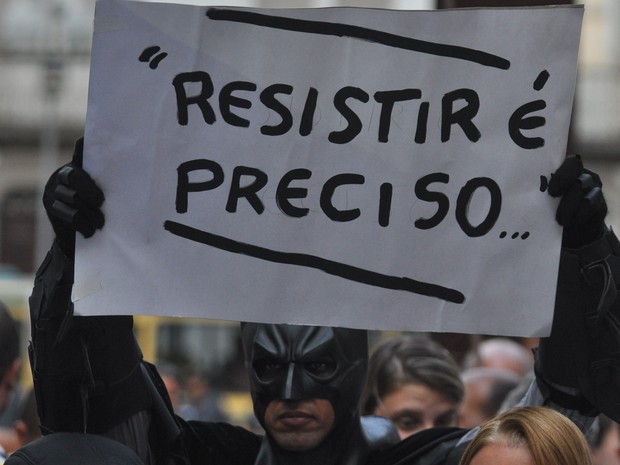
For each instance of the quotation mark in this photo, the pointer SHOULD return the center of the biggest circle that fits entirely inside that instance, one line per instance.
(544, 183)
(152, 56)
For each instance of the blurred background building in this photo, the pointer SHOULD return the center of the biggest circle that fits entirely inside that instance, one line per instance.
(44, 68)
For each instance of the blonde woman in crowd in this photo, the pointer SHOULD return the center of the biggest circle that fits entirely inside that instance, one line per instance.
(528, 436)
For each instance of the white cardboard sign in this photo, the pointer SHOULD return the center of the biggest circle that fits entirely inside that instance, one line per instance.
(350, 167)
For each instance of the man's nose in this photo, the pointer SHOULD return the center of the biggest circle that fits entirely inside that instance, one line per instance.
(291, 391)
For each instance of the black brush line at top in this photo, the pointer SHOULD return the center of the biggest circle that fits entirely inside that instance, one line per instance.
(361, 33)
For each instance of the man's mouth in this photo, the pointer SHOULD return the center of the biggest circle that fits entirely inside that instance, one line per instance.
(295, 418)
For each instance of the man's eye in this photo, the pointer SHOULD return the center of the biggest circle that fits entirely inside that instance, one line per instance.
(321, 368)
(268, 368)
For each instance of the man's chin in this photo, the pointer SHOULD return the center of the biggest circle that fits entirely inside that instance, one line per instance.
(297, 441)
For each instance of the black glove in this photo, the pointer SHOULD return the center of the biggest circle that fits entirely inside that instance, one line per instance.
(582, 209)
(73, 202)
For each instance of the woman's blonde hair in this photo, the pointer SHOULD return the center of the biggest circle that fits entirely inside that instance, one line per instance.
(551, 438)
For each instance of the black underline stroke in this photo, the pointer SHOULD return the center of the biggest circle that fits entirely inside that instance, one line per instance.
(362, 33)
(341, 270)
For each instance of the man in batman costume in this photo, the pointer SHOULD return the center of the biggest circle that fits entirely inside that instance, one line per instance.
(306, 381)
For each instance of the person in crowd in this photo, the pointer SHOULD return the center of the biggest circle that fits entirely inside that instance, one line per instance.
(485, 391)
(605, 442)
(500, 352)
(27, 425)
(202, 402)
(306, 382)
(9, 362)
(25, 428)
(528, 436)
(414, 382)
(170, 377)
(12, 408)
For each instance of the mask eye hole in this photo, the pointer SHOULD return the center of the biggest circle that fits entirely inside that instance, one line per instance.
(323, 368)
(268, 368)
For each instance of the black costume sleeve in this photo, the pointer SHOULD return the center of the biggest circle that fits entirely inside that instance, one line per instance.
(86, 370)
(583, 350)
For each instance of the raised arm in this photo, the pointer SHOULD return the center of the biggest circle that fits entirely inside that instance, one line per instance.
(578, 365)
(88, 372)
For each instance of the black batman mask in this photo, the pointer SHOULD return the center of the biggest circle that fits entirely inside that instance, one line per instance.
(288, 362)
(302, 362)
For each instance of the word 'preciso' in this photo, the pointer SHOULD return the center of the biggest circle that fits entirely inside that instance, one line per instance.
(247, 182)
